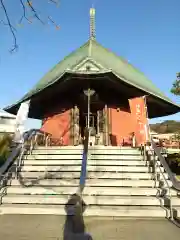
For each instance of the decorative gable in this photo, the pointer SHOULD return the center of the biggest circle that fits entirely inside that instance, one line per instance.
(88, 65)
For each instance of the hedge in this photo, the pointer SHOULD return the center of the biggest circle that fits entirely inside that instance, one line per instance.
(5, 147)
(173, 161)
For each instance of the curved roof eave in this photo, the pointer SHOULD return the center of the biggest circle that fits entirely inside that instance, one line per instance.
(109, 71)
(148, 93)
(67, 71)
(28, 96)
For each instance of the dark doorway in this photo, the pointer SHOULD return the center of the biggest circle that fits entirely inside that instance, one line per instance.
(83, 121)
(96, 110)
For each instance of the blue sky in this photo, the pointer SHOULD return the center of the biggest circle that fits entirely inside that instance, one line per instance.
(146, 33)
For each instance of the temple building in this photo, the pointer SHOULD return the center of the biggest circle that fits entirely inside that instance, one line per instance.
(93, 79)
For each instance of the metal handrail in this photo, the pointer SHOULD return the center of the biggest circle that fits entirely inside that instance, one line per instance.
(82, 179)
(17, 153)
(33, 137)
(4, 181)
(155, 151)
(8, 166)
(172, 176)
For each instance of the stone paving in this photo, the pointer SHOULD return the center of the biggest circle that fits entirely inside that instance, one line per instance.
(46, 227)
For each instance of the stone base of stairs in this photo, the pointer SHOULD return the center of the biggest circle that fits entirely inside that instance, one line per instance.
(119, 183)
(103, 211)
(51, 227)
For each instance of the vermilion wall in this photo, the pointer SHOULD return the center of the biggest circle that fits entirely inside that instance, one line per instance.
(58, 125)
(121, 122)
(121, 125)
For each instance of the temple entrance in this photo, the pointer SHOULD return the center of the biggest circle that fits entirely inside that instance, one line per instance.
(96, 124)
(93, 125)
(83, 122)
(90, 112)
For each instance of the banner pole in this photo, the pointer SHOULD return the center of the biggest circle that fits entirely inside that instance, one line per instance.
(21, 117)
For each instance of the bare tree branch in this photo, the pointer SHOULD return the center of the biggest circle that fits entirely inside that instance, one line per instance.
(24, 12)
(54, 23)
(6, 24)
(34, 11)
(25, 4)
(55, 1)
(15, 46)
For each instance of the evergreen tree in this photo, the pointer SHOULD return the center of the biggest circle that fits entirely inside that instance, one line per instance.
(176, 85)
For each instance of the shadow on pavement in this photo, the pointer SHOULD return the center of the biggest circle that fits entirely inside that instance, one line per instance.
(74, 227)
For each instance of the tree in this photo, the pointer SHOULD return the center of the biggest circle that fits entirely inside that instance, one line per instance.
(29, 14)
(176, 85)
(176, 138)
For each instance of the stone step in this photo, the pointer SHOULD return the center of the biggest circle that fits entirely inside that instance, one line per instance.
(64, 190)
(80, 147)
(89, 182)
(89, 200)
(75, 168)
(45, 156)
(103, 211)
(94, 175)
(90, 162)
(91, 151)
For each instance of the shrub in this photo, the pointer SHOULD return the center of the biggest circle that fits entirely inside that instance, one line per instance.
(173, 161)
(5, 147)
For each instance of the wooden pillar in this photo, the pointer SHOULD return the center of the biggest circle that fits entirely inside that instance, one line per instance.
(98, 122)
(110, 126)
(76, 126)
(98, 128)
(106, 132)
(72, 126)
(109, 129)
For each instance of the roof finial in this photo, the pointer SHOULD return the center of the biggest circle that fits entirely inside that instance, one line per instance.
(92, 23)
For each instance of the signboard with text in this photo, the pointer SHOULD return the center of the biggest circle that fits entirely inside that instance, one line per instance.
(139, 115)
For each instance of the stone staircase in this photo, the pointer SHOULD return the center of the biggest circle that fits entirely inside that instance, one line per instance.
(119, 183)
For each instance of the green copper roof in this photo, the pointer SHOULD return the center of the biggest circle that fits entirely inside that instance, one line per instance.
(122, 69)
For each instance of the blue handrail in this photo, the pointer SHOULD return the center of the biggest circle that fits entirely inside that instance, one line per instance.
(82, 180)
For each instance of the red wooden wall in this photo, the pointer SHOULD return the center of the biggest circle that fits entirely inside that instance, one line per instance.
(122, 125)
(59, 126)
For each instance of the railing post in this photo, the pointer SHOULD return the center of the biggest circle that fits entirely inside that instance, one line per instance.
(46, 141)
(145, 153)
(155, 170)
(170, 205)
(19, 161)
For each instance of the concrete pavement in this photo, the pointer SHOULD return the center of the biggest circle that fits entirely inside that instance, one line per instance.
(46, 227)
